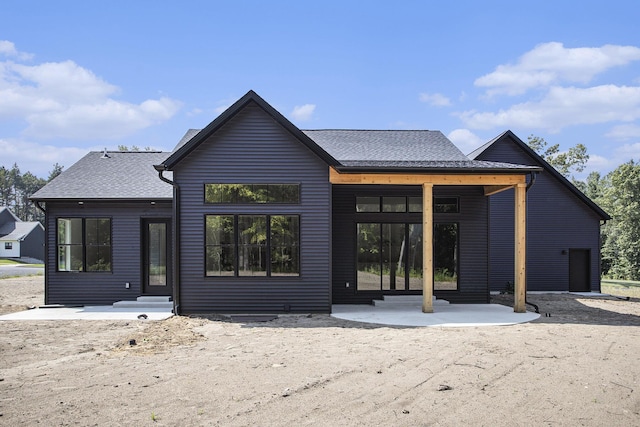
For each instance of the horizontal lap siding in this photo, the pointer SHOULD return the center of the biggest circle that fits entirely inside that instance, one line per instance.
(253, 148)
(556, 220)
(86, 288)
(473, 251)
(33, 245)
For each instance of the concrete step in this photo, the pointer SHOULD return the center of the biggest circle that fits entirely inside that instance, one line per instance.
(147, 302)
(408, 300)
(153, 299)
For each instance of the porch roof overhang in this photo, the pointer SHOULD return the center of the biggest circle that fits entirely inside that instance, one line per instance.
(430, 167)
(493, 179)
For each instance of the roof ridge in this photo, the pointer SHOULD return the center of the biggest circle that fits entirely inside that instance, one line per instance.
(372, 130)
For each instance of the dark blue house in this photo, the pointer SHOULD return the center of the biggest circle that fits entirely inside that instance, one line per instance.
(563, 225)
(252, 214)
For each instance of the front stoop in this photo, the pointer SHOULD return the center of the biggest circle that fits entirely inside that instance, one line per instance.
(405, 300)
(147, 302)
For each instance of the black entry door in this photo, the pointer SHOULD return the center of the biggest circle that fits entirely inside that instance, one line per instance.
(579, 270)
(156, 260)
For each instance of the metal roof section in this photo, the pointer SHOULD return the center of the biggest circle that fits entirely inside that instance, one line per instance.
(115, 175)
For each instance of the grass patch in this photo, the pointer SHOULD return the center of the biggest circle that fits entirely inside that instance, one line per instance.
(623, 288)
(19, 263)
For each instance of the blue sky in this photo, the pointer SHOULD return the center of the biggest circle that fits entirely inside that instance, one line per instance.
(77, 76)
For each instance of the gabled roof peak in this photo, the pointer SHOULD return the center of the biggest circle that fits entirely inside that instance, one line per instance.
(250, 97)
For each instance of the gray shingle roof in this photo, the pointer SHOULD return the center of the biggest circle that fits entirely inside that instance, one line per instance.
(186, 138)
(386, 145)
(121, 175)
(19, 230)
(457, 165)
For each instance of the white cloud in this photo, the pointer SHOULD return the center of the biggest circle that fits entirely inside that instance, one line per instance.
(563, 107)
(435, 99)
(465, 140)
(303, 112)
(106, 120)
(38, 158)
(625, 131)
(551, 63)
(614, 158)
(7, 48)
(65, 100)
(221, 109)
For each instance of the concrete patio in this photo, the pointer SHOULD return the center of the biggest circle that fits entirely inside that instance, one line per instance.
(407, 311)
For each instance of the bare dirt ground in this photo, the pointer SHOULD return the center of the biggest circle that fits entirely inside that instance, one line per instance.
(580, 366)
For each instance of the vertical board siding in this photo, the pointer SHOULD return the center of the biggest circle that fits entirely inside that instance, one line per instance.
(557, 220)
(253, 148)
(86, 288)
(473, 232)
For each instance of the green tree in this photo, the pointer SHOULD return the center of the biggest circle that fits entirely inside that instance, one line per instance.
(621, 245)
(566, 162)
(16, 188)
(133, 148)
(57, 170)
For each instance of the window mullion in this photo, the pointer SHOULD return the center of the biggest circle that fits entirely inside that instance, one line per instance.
(84, 245)
(268, 243)
(236, 247)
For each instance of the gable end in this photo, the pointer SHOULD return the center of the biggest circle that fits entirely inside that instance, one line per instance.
(226, 116)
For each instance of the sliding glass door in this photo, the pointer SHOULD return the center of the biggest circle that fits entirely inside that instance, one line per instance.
(389, 257)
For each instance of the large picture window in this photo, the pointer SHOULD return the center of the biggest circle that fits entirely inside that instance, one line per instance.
(84, 244)
(252, 245)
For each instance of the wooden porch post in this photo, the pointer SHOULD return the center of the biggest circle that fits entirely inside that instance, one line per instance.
(520, 288)
(427, 248)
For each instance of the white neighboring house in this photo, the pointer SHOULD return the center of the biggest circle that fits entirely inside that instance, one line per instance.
(20, 239)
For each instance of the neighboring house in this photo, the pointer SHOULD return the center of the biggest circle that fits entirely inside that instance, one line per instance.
(251, 214)
(20, 239)
(563, 226)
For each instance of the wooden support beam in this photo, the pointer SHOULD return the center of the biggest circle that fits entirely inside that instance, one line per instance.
(490, 190)
(336, 177)
(427, 248)
(520, 288)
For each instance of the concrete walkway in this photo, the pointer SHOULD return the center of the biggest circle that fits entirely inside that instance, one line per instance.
(92, 312)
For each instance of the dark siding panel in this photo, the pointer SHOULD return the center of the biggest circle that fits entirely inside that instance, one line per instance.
(252, 148)
(33, 244)
(101, 288)
(556, 221)
(472, 221)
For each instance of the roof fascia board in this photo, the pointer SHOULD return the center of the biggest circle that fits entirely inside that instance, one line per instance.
(231, 112)
(439, 171)
(103, 200)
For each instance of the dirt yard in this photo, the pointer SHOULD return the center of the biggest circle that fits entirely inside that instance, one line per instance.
(578, 367)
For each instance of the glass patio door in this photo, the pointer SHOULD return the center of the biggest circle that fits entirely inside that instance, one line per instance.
(389, 257)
